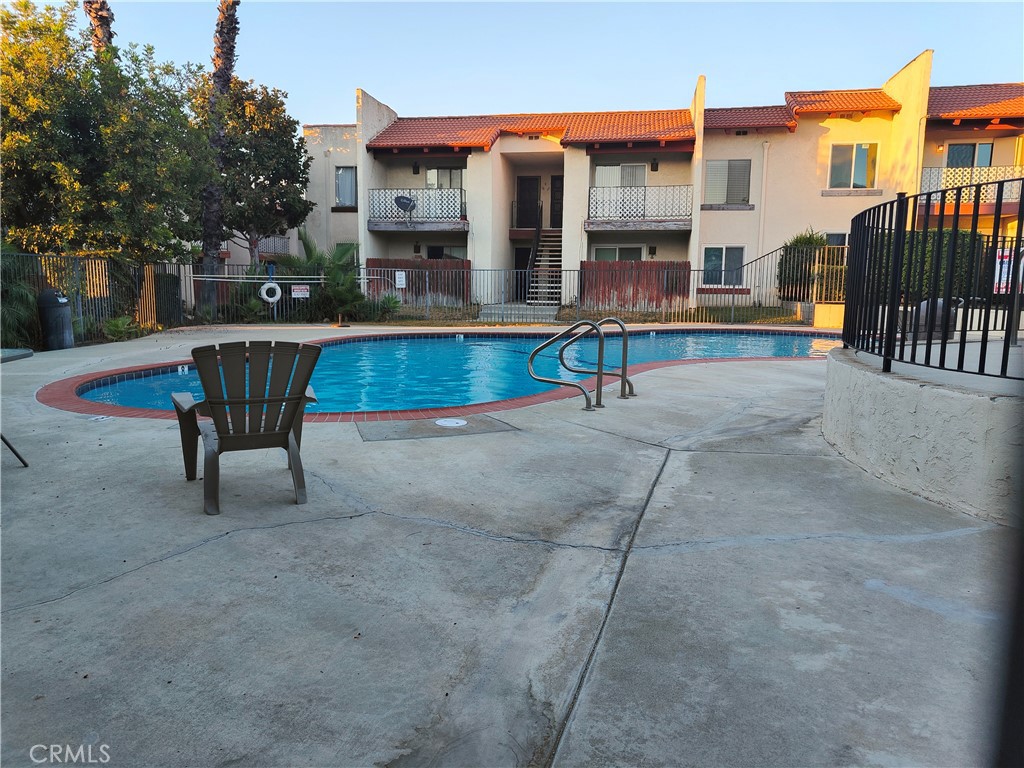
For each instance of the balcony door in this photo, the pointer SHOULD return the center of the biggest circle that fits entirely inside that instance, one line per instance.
(527, 201)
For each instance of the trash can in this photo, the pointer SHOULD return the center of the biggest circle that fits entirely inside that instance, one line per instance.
(55, 319)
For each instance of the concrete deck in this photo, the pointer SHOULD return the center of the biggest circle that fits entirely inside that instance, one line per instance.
(690, 577)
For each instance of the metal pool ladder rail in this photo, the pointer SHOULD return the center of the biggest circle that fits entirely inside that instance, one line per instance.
(582, 329)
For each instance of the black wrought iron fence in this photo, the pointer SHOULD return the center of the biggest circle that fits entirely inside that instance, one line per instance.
(777, 288)
(935, 279)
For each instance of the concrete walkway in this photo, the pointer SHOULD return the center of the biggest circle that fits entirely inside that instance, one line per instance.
(690, 577)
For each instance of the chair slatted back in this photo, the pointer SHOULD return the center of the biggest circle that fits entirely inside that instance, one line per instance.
(255, 388)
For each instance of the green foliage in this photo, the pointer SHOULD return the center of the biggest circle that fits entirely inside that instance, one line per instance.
(382, 309)
(809, 237)
(19, 319)
(339, 296)
(99, 152)
(927, 260)
(795, 275)
(266, 166)
(121, 328)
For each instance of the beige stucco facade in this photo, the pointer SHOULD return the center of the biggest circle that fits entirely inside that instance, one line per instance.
(789, 184)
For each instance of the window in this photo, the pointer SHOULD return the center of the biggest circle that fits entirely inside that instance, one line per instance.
(618, 252)
(853, 166)
(633, 175)
(969, 156)
(446, 252)
(444, 178)
(727, 182)
(345, 187)
(835, 238)
(723, 265)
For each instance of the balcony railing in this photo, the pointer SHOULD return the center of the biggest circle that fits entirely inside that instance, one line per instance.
(428, 204)
(934, 179)
(641, 203)
(274, 244)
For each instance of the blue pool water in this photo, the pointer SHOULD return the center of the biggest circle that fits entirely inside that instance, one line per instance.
(400, 373)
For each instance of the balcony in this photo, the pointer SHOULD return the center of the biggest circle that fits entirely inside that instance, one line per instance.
(640, 208)
(432, 210)
(934, 179)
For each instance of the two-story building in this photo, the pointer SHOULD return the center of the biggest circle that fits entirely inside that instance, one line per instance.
(717, 187)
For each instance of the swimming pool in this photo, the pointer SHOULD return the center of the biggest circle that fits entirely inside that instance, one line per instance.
(403, 372)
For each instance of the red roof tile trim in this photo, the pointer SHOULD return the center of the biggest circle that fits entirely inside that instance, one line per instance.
(749, 117)
(841, 101)
(976, 101)
(574, 128)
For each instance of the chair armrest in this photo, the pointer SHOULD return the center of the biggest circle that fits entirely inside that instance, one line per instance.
(185, 403)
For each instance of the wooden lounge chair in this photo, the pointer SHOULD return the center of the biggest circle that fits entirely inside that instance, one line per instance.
(259, 405)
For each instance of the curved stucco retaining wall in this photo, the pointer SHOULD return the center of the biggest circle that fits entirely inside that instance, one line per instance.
(954, 445)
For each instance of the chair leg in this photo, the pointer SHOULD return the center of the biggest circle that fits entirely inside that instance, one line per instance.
(188, 426)
(295, 464)
(211, 479)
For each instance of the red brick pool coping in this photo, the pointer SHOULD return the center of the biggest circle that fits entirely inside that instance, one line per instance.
(63, 394)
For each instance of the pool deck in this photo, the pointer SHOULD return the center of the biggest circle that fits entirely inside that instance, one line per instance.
(689, 577)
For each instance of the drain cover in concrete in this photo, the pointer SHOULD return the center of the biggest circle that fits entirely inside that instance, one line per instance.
(451, 422)
(409, 430)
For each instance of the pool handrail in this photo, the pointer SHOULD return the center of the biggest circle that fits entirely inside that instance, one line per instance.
(624, 379)
(591, 327)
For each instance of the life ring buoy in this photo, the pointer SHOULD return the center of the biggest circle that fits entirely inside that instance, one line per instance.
(270, 292)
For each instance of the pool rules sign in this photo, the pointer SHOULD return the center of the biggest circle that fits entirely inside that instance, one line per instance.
(300, 291)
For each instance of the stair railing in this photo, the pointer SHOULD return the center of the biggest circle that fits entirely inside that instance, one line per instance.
(581, 329)
(536, 236)
(624, 382)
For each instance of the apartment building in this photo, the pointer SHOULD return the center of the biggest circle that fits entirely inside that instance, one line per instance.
(716, 187)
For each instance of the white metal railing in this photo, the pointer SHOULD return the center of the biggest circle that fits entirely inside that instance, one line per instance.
(640, 203)
(934, 179)
(274, 244)
(427, 204)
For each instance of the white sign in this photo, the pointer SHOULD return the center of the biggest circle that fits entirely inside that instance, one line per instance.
(399, 279)
(1004, 270)
(300, 291)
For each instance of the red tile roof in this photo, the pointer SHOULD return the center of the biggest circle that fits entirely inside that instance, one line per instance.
(749, 117)
(976, 101)
(840, 101)
(574, 127)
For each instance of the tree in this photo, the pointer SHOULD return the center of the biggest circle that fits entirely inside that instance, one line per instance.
(99, 151)
(101, 19)
(224, 56)
(266, 167)
(49, 137)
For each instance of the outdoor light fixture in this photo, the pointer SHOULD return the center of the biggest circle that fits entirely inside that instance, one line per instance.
(654, 165)
(939, 147)
(415, 168)
(416, 247)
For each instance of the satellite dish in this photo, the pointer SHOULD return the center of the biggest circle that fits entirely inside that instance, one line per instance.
(406, 204)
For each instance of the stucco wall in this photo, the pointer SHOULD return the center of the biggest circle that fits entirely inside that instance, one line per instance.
(329, 147)
(372, 117)
(953, 445)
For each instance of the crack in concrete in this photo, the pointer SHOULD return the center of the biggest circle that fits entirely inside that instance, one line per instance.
(468, 530)
(585, 671)
(706, 545)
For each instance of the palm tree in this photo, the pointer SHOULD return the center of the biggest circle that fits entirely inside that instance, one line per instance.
(100, 19)
(224, 57)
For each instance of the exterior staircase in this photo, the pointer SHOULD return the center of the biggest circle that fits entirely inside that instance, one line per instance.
(545, 287)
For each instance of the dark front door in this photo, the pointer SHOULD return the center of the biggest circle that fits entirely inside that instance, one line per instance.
(527, 200)
(557, 185)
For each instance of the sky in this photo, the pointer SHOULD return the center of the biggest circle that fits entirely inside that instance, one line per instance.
(468, 58)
